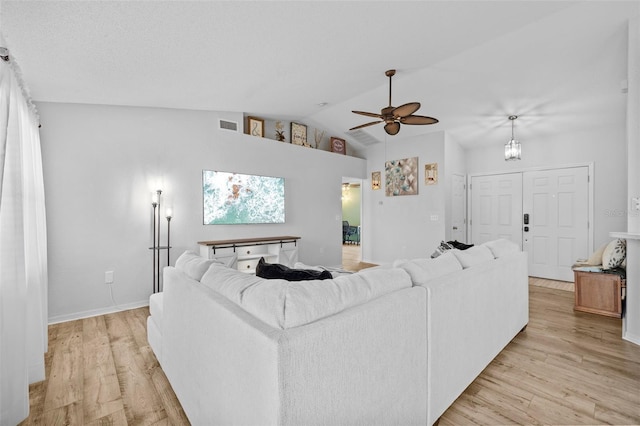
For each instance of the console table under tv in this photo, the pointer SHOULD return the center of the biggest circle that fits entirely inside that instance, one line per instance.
(244, 253)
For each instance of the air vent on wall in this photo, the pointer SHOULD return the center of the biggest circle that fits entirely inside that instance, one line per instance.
(364, 138)
(228, 125)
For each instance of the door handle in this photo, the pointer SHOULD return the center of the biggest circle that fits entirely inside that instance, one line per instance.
(455, 228)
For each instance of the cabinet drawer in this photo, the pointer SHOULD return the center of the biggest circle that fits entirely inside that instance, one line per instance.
(248, 265)
(252, 251)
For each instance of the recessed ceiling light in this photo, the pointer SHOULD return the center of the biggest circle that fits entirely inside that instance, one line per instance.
(321, 104)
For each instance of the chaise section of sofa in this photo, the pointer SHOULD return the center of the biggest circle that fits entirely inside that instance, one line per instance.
(477, 302)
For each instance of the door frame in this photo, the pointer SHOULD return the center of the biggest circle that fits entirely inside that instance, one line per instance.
(590, 190)
(465, 207)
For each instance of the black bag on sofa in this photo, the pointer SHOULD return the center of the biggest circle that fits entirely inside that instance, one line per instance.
(271, 271)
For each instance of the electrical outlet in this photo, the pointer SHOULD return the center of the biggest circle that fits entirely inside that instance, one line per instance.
(108, 277)
(635, 203)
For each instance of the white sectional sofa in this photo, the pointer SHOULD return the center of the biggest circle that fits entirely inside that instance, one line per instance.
(393, 345)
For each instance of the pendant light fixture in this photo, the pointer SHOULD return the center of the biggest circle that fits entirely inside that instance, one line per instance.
(512, 149)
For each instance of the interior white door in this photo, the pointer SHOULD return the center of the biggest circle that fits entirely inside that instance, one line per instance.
(557, 202)
(496, 208)
(458, 230)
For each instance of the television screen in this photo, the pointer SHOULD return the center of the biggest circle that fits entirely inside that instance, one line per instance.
(234, 198)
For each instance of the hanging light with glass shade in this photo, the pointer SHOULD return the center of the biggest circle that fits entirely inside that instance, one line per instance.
(512, 149)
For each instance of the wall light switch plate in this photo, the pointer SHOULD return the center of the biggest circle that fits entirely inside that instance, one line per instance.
(108, 277)
(434, 217)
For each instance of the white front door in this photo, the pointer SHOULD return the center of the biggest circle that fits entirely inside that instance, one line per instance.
(458, 230)
(496, 208)
(557, 205)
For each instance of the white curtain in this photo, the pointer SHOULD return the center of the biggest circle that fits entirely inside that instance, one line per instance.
(23, 248)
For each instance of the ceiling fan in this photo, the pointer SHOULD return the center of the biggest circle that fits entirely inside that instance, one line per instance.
(393, 117)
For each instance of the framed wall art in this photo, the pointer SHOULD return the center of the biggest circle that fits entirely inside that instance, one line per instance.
(255, 126)
(298, 134)
(375, 180)
(431, 173)
(401, 177)
(338, 145)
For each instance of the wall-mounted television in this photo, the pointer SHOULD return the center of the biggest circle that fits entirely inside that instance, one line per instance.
(235, 198)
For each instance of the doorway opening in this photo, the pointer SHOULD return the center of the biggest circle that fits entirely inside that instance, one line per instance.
(351, 223)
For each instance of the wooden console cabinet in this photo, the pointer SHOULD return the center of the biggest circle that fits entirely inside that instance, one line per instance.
(599, 293)
(244, 253)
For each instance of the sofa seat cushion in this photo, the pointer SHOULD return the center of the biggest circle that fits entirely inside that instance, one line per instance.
(424, 270)
(156, 307)
(286, 304)
(335, 272)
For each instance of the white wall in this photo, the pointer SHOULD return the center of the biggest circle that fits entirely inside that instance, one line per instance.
(101, 164)
(401, 227)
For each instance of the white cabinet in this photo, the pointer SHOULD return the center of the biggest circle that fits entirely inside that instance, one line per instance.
(245, 253)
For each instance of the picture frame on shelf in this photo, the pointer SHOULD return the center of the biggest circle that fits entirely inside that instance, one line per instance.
(255, 126)
(298, 134)
(338, 145)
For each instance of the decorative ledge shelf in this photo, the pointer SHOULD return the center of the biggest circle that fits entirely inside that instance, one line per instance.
(624, 235)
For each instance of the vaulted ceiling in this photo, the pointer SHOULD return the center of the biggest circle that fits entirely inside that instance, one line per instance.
(470, 63)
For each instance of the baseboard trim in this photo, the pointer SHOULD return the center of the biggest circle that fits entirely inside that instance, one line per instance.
(96, 312)
(631, 338)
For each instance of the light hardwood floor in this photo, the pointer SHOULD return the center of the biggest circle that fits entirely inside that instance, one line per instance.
(351, 260)
(565, 368)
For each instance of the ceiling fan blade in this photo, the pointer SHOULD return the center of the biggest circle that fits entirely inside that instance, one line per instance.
(368, 114)
(365, 125)
(418, 119)
(392, 128)
(406, 109)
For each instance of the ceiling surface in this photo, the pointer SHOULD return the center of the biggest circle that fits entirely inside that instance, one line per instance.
(471, 64)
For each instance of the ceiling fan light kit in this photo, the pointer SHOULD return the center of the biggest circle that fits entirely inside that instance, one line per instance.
(512, 149)
(393, 117)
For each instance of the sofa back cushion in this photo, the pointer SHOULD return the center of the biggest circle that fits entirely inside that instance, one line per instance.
(193, 264)
(285, 304)
(501, 247)
(424, 270)
(473, 256)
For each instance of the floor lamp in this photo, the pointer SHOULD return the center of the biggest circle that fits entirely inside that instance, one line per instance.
(157, 247)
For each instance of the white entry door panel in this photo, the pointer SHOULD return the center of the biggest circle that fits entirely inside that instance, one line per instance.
(557, 203)
(496, 208)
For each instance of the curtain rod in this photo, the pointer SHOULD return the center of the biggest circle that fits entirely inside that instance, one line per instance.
(6, 56)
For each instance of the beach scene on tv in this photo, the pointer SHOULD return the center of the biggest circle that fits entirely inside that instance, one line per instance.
(235, 198)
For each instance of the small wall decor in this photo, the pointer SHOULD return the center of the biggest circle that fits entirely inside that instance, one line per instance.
(255, 126)
(375, 180)
(317, 136)
(280, 131)
(401, 177)
(338, 145)
(431, 173)
(298, 134)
